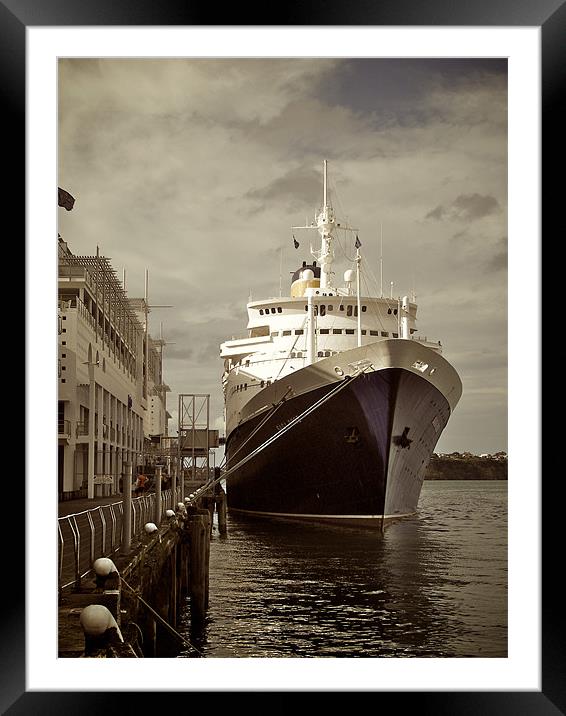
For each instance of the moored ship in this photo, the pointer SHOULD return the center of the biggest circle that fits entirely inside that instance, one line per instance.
(333, 406)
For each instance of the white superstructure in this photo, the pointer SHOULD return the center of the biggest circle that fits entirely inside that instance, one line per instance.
(317, 320)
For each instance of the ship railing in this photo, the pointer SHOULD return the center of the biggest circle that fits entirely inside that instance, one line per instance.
(86, 536)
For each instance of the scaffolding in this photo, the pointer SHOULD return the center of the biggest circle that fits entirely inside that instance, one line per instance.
(196, 439)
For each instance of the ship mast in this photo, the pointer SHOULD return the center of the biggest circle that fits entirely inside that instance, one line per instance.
(326, 225)
(326, 222)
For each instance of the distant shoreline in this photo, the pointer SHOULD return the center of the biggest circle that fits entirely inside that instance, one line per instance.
(466, 468)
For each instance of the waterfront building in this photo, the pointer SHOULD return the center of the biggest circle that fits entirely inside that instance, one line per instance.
(111, 395)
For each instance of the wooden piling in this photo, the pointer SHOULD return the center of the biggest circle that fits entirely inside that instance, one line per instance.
(221, 511)
(198, 524)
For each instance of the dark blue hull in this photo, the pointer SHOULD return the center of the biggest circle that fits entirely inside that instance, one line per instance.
(358, 457)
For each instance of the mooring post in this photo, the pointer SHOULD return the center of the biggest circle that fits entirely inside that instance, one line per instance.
(221, 511)
(174, 499)
(158, 509)
(199, 541)
(127, 516)
(100, 629)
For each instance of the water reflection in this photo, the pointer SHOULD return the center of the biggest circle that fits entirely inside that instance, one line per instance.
(432, 585)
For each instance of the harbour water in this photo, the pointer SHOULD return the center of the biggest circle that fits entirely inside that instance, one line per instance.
(434, 585)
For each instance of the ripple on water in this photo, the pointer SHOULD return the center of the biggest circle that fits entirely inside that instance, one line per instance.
(435, 585)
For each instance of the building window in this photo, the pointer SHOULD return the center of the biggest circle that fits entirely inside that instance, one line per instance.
(323, 310)
(326, 354)
(364, 331)
(364, 309)
(274, 334)
(262, 383)
(395, 335)
(342, 307)
(306, 308)
(350, 331)
(63, 343)
(63, 355)
(319, 354)
(355, 310)
(286, 333)
(337, 331)
(64, 318)
(349, 311)
(63, 380)
(63, 367)
(330, 307)
(395, 312)
(299, 354)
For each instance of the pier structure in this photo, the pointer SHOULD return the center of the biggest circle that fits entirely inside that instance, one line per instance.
(125, 580)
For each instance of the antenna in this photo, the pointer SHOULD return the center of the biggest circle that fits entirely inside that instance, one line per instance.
(381, 258)
(325, 182)
(280, 271)
(391, 294)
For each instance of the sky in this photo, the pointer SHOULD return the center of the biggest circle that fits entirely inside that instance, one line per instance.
(196, 169)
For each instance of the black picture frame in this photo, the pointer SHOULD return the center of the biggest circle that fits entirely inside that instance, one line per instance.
(550, 16)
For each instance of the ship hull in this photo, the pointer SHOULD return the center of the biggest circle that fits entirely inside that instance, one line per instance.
(359, 459)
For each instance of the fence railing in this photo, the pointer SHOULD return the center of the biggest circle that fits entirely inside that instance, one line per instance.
(86, 536)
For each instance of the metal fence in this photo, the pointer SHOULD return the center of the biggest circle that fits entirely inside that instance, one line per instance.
(86, 536)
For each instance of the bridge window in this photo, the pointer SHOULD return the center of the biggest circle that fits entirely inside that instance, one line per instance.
(342, 307)
(355, 310)
(279, 309)
(261, 311)
(319, 354)
(337, 331)
(349, 311)
(323, 310)
(330, 307)
(325, 330)
(385, 334)
(299, 332)
(350, 331)
(286, 333)
(364, 331)
(364, 309)
(374, 333)
(272, 310)
(395, 335)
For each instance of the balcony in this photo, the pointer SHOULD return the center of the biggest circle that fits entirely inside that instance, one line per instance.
(82, 429)
(64, 428)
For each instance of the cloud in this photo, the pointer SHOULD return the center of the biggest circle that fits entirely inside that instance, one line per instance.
(466, 208)
(198, 169)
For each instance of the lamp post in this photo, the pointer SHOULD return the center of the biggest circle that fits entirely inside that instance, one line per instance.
(91, 425)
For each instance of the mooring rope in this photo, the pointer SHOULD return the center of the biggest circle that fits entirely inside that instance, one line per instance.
(343, 384)
(160, 618)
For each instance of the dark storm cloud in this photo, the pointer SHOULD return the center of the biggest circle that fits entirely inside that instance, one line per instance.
(466, 208)
(498, 261)
(397, 88)
(299, 185)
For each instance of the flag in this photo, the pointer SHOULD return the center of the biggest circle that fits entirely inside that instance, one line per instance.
(358, 242)
(65, 199)
(295, 242)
